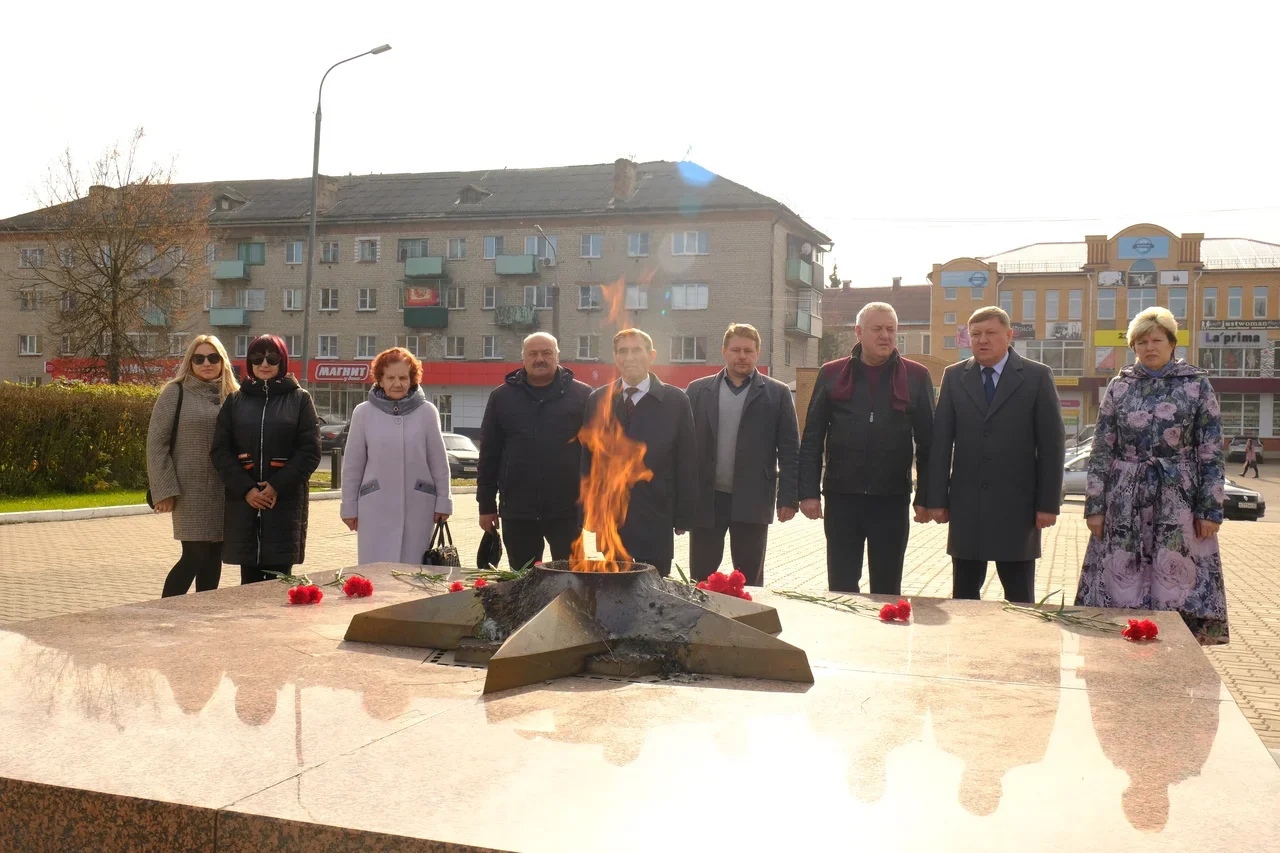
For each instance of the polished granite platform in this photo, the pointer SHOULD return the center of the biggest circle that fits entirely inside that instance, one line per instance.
(231, 721)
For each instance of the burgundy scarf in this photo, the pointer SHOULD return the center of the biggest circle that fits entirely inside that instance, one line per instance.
(842, 386)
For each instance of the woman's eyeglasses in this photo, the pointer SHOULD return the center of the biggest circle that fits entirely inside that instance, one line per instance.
(199, 358)
(269, 357)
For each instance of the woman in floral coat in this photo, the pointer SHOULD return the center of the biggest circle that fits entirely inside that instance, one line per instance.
(1154, 496)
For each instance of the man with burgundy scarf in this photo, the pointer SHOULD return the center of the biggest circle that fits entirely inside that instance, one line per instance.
(871, 413)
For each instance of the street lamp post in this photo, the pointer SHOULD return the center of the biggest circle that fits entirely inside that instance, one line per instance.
(311, 227)
(555, 285)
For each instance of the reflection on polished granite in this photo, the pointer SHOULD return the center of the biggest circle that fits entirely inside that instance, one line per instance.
(144, 726)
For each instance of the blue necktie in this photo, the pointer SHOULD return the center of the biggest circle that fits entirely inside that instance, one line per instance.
(989, 383)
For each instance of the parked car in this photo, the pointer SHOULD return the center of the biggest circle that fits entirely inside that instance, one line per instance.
(333, 436)
(1073, 473)
(464, 457)
(1235, 453)
(330, 418)
(1238, 503)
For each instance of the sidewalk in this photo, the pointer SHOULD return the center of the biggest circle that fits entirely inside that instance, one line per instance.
(48, 569)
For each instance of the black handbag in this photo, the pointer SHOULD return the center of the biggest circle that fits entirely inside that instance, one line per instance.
(173, 437)
(441, 551)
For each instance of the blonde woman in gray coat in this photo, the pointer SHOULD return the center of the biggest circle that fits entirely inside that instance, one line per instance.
(182, 478)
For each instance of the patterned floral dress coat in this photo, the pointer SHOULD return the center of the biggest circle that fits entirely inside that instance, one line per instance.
(1156, 466)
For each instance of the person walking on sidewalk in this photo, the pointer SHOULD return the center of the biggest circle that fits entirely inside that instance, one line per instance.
(1250, 459)
(745, 427)
(395, 470)
(871, 417)
(180, 474)
(530, 456)
(266, 447)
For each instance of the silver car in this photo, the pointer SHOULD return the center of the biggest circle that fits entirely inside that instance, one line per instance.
(1238, 503)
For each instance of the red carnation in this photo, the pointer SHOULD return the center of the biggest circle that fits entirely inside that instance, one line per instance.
(1150, 629)
(888, 613)
(358, 587)
(480, 582)
(298, 594)
(745, 594)
(703, 585)
(718, 582)
(1140, 629)
(456, 586)
(904, 609)
(737, 580)
(314, 594)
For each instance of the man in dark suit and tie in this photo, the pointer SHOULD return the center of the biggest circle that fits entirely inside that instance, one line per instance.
(996, 467)
(659, 416)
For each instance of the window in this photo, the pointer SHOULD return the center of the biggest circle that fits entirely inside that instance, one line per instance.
(688, 297)
(592, 244)
(328, 299)
(210, 299)
(410, 249)
(786, 353)
(1074, 304)
(949, 318)
(490, 297)
(1235, 303)
(367, 251)
(329, 252)
(925, 342)
(1051, 304)
(1006, 302)
(637, 297)
(689, 243)
(1140, 299)
(30, 300)
(1260, 302)
(177, 343)
(254, 299)
(638, 245)
(1178, 302)
(444, 405)
(30, 258)
(293, 252)
(588, 347)
(977, 293)
(538, 295)
(900, 341)
(455, 346)
(254, 254)
(327, 346)
(1275, 414)
(949, 294)
(210, 255)
(688, 348)
(411, 343)
(293, 299)
(1029, 306)
(293, 343)
(367, 299)
(492, 247)
(28, 344)
(457, 248)
(1232, 361)
(589, 298)
(948, 342)
(489, 346)
(542, 247)
(366, 346)
(68, 301)
(31, 380)
(1210, 303)
(1106, 304)
(1241, 413)
(65, 348)
(1065, 358)
(242, 345)
(455, 298)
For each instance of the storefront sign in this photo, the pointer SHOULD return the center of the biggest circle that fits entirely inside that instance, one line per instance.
(95, 370)
(1240, 324)
(1068, 331)
(1132, 248)
(1175, 277)
(1218, 339)
(1070, 411)
(1142, 279)
(1119, 338)
(1066, 381)
(967, 278)
(339, 371)
(962, 337)
(1104, 359)
(1024, 331)
(1111, 278)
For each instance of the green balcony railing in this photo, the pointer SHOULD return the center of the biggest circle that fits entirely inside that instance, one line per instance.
(799, 271)
(516, 316)
(231, 271)
(515, 264)
(423, 267)
(229, 317)
(154, 317)
(433, 317)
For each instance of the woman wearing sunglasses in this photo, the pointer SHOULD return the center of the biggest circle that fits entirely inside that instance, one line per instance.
(265, 447)
(182, 479)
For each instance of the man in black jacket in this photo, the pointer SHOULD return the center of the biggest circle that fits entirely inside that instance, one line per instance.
(745, 425)
(866, 413)
(529, 454)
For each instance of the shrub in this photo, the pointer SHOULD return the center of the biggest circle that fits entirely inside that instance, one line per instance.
(73, 437)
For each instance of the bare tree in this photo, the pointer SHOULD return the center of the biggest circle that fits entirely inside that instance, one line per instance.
(118, 250)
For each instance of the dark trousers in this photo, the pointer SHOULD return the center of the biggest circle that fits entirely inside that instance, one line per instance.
(1018, 577)
(1248, 465)
(747, 542)
(201, 562)
(881, 523)
(523, 538)
(258, 574)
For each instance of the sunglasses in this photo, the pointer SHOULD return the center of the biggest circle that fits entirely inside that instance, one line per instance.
(212, 358)
(259, 357)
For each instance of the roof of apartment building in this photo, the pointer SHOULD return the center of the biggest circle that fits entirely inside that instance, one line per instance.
(840, 306)
(621, 187)
(1215, 253)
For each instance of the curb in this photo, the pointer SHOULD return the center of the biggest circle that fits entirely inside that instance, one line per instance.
(44, 515)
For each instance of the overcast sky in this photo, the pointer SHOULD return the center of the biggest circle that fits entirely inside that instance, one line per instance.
(910, 133)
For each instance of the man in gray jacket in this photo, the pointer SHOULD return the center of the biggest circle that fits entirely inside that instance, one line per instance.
(745, 426)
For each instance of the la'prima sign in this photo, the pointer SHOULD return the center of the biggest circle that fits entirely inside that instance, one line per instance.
(1232, 339)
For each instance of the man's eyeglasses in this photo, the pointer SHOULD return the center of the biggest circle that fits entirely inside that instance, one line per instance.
(200, 358)
(269, 357)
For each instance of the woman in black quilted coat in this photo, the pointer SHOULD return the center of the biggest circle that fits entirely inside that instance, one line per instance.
(266, 446)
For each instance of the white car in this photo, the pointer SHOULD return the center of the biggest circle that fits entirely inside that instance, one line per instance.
(1074, 473)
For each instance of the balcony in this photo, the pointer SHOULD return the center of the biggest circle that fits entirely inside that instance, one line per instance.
(433, 317)
(799, 271)
(231, 271)
(516, 316)
(423, 267)
(515, 264)
(228, 317)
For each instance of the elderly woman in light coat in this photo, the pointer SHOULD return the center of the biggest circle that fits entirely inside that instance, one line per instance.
(395, 471)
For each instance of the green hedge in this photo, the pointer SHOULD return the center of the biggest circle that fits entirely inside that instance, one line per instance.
(71, 437)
